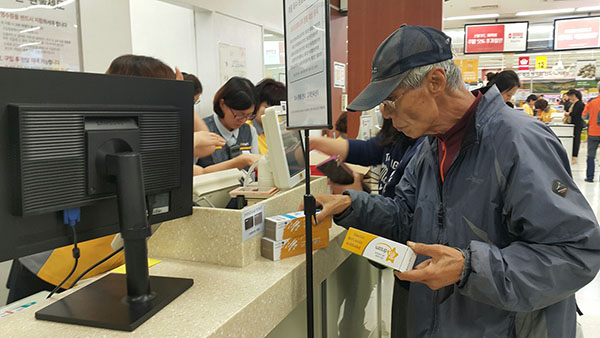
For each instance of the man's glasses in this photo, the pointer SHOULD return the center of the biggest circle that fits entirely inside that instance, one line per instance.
(390, 105)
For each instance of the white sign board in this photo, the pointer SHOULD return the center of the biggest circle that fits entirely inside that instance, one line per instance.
(307, 63)
(40, 34)
(232, 62)
(253, 221)
(339, 75)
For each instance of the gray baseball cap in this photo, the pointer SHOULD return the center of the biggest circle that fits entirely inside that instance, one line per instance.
(408, 47)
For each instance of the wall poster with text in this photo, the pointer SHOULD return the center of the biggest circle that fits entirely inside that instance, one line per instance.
(40, 34)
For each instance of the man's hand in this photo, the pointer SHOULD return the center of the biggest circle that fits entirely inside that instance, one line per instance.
(444, 267)
(330, 205)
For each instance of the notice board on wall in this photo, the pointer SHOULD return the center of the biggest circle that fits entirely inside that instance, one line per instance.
(40, 34)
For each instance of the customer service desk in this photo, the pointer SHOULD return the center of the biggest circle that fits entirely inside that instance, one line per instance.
(229, 301)
(223, 302)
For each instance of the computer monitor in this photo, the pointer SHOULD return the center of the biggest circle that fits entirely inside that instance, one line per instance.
(285, 159)
(106, 144)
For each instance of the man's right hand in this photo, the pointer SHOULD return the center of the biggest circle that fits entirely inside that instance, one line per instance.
(331, 205)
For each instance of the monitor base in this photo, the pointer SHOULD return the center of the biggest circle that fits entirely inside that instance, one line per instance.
(103, 303)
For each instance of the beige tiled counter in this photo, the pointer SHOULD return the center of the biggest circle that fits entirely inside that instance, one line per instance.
(223, 302)
(214, 235)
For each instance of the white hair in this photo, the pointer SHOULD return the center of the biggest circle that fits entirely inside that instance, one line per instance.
(414, 77)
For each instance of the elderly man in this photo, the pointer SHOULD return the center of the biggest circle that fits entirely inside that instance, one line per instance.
(504, 235)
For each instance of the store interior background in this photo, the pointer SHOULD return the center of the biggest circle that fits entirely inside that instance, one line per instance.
(187, 34)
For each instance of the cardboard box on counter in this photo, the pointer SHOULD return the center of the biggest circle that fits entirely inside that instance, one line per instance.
(290, 225)
(280, 249)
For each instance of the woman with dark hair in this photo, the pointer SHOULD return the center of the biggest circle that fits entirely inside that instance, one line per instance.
(234, 104)
(507, 82)
(270, 93)
(573, 116)
(197, 85)
(543, 110)
(529, 104)
(341, 125)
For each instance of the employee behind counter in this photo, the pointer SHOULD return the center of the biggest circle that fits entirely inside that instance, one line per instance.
(504, 236)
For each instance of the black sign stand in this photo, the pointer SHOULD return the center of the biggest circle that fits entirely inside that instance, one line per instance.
(309, 200)
(309, 214)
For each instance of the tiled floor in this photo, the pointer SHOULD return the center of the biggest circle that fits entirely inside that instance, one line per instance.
(588, 298)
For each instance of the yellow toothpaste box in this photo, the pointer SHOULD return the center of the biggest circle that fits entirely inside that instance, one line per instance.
(380, 250)
(290, 225)
(276, 250)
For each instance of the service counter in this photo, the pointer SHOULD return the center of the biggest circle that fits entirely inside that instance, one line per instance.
(248, 300)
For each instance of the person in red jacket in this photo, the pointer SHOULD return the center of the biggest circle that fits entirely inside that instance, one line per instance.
(591, 112)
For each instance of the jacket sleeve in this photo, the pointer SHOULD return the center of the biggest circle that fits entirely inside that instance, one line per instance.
(364, 153)
(556, 240)
(383, 216)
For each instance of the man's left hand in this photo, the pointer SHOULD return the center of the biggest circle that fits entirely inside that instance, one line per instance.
(442, 269)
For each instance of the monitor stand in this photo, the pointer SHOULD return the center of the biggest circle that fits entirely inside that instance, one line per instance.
(116, 301)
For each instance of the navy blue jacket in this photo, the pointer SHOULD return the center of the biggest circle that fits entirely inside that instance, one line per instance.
(393, 160)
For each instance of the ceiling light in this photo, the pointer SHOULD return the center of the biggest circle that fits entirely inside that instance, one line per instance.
(548, 11)
(540, 28)
(267, 35)
(588, 9)
(471, 17)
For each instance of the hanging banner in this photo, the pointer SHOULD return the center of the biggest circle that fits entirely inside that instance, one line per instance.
(577, 33)
(524, 63)
(496, 38)
(470, 70)
(39, 34)
(541, 62)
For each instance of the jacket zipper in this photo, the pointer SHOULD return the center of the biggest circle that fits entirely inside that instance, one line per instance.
(441, 224)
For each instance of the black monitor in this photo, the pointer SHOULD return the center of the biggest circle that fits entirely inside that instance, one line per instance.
(108, 145)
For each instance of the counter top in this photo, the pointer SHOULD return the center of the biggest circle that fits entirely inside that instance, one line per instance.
(223, 302)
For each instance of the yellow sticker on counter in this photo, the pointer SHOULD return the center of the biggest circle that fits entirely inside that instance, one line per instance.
(121, 269)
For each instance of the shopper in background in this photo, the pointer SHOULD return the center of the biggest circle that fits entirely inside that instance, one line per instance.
(234, 103)
(270, 93)
(505, 237)
(592, 112)
(542, 109)
(573, 116)
(529, 104)
(564, 101)
(507, 82)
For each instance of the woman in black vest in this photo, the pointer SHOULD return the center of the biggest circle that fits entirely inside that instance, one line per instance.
(234, 104)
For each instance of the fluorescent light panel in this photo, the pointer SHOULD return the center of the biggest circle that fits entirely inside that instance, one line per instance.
(471, 17)
(548, 11)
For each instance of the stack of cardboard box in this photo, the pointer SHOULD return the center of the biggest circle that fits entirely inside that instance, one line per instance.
(285, 236)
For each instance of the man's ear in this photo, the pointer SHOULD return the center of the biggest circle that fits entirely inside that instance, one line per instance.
(435, 81)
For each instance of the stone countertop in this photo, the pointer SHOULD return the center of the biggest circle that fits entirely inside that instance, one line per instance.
(223, 302)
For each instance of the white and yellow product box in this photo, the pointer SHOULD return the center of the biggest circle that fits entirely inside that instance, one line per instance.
(380, 250)
(276, 250)
(290, 225)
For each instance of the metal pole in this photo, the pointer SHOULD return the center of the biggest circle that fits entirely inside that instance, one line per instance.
(309, 214)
